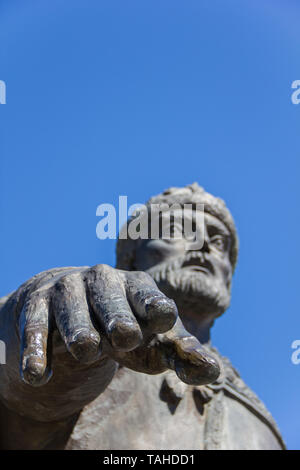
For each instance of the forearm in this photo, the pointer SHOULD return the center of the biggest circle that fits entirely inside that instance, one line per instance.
(43, 417)
(72, 386)
(19, 432)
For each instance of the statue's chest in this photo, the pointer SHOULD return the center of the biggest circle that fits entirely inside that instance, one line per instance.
(141, 412)
(138, 411)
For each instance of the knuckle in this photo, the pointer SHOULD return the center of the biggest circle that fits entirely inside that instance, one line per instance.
(103, 273)
(141, 280)
(146, 298)
(34, 300)
(143, 276)
(102, 268)
(68, 280)
(61, 285)
(36, 335)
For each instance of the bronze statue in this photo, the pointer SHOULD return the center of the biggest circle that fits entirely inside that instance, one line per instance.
(97, 358)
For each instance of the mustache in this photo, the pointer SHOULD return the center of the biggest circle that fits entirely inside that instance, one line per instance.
(198, 260)
(162, 270)
(205, 294)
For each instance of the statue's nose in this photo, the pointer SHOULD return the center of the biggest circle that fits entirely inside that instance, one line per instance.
(204, 246)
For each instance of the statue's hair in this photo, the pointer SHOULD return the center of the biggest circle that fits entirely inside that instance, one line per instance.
(190, 194)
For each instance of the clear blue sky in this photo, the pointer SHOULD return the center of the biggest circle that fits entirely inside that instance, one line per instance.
(115, 97)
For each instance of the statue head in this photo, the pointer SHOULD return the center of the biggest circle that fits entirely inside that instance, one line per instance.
(199, 280)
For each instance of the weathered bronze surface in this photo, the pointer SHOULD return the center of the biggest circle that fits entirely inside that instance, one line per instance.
(98, 358)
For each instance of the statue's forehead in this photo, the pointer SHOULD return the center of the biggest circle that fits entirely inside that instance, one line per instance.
(213, 221)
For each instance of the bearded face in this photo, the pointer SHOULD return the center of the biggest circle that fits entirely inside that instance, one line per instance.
(197, 279)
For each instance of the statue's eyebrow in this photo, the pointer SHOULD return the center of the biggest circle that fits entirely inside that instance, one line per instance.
(215, 226)
(213, 230)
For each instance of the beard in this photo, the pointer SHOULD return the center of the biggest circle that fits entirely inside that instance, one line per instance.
(195, 292)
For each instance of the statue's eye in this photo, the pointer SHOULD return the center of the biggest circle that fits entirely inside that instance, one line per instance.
(218, 242)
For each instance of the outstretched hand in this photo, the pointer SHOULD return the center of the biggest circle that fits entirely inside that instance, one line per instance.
(76, 324)
(105, 310)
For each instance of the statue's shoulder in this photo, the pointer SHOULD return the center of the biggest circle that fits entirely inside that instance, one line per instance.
(232, 385)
